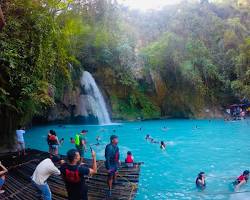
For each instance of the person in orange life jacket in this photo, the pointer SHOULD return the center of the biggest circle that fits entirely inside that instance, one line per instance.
(200, 181)
(48, 141)
(53, 142)
(129, 160)
(112, 161)
(241, 180)
(73, 175)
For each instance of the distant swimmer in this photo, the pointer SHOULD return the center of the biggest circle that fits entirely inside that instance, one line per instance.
(241, 180)
(200, 181)
(154, 141)
(72, 141)
(61, 141)
(98, 139)
(148, 137)
(164, 128)
(163, 145)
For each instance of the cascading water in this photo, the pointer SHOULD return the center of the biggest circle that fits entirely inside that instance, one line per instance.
(96, 104)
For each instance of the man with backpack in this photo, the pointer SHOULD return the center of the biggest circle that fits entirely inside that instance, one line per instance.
(73, 175)
(80, 143)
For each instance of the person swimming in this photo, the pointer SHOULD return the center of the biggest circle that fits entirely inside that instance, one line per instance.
(61, 141)
(164, 128)
(241, 180)
(200, 181)
(148, 137)
(163, 145)
(72, 141)
(98, 139)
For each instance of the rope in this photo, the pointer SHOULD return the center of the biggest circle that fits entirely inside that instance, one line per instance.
(133, 186)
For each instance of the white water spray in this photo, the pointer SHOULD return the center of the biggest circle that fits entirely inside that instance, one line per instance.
(95, 98)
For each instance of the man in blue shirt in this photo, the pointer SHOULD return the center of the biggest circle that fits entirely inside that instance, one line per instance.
(112, 161)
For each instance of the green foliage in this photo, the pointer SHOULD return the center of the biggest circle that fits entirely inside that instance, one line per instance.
(137, 105)
(34, 58)
(201, 52)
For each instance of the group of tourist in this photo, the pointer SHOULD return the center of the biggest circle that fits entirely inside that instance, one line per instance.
(152, 140)
(73, 171)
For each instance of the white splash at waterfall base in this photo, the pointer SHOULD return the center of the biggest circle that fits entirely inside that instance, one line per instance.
(95, 102)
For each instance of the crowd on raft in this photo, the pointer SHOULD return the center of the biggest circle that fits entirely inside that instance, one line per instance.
(73, 170)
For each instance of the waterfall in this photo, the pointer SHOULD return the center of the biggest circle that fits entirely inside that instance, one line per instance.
(95, 102)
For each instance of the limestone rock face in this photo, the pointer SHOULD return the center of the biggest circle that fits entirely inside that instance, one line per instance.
(69, 109)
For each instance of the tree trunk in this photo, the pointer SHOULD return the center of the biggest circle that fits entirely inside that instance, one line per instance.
(2, 21)
(9, 120)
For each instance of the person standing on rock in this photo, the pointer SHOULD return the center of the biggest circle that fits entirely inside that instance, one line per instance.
(112, 161)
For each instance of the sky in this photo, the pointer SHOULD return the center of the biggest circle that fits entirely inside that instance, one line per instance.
(145, 5)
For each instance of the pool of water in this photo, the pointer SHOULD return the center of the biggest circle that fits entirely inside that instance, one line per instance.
(219, 148)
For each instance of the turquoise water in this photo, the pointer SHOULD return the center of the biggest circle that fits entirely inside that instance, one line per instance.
(219, 148)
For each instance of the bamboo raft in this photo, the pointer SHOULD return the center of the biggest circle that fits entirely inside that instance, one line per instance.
(18, 185)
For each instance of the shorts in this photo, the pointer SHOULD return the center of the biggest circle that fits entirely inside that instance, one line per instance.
(20, 146)
(2, 181)
(54, 146)
(112, 171)
(80, 150)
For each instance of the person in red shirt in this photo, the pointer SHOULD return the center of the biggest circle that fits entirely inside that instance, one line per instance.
(241, 180)
(129, 160)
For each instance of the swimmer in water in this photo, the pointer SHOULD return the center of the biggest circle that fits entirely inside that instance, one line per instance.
(72, 141)
(98, 139)
(147, 137)
(154, 141)
(163, 145)
(61, 141)
(241, 180)
(164, 128)
(200, 181)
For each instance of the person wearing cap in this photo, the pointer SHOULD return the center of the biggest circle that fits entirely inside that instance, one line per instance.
(112, 161)
(241, 180)
(43, 171)
(80, 143)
